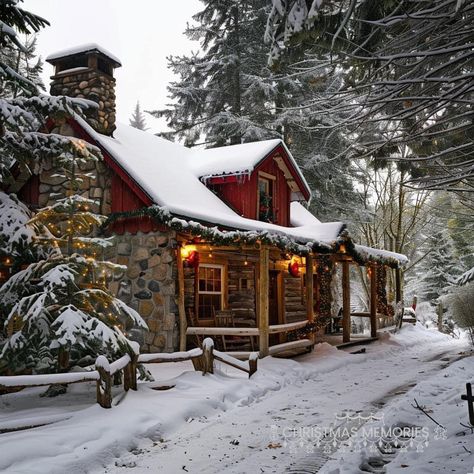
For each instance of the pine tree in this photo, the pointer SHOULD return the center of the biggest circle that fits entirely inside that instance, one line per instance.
(26, 64)
(60, 308)
(138, 119)
(17, 235)
(415, 86)
(225, 93)
(24, 110)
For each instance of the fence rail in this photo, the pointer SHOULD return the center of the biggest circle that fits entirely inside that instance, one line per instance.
(202, 359)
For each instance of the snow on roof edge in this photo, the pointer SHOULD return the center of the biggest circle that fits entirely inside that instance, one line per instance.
(83, 48)
(367, 252)
(246, 168)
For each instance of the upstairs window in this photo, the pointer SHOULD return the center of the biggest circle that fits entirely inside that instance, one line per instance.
(265, 210)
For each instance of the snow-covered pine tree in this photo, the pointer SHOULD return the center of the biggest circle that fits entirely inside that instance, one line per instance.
(138, 119)
(25, 63)
(224, 94)
(17, 236)
(441, 258)
(60, 310)
(59, 307)
(23, 111)
(415, 85)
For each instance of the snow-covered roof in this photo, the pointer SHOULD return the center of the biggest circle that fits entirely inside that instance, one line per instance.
(300, 216)
(83, 48)
(239, 159)
(166, 173)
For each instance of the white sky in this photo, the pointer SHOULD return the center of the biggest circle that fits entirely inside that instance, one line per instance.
(141, 33)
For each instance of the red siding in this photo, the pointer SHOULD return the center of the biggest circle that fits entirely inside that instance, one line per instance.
(29, 193)
(123, 200)
(241, 194)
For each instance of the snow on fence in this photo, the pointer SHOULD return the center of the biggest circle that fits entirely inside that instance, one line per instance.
(202, 359)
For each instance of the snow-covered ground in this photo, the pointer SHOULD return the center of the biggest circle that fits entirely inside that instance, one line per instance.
(228, 423)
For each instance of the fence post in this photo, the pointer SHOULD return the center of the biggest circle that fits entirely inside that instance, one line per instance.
(130, 371)
(104, 384)
(253, 363)
(207, 356)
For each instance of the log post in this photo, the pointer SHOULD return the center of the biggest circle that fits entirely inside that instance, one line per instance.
(309, 289)
(398, 285)
(130, 373)
(373, 300)
(346, 302)
(104, 384)
(263, 289)
(181, 307)
(253, 359)
(207, 356)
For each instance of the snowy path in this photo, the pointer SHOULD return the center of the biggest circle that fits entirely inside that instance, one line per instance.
(249, 438)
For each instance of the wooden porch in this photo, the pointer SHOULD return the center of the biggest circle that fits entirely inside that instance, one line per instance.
(252, 298)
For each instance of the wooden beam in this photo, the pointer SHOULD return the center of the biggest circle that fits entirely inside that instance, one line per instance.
(309, 289)
(181, 308)
(346, 302)
(373, 301)
(262, 292)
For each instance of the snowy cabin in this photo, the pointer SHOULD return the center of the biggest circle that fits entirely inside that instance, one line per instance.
(217, 242)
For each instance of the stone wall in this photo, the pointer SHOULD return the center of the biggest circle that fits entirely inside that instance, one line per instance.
(149, 285)
(94, 85)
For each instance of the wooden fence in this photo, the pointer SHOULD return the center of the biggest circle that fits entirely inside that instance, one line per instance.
(105, 372)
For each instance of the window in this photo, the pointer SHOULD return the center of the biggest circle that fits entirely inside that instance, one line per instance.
(210, 290)
(265, 200)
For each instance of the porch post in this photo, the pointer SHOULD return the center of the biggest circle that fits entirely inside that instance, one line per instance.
(263, 300)
(346, 303)
(309, 288)
(398, 285)
(373, 300)
(181, 309)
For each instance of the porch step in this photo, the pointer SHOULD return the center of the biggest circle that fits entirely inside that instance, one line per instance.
(287, 348)
(356, 342)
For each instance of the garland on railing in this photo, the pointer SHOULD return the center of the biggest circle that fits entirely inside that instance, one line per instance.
(308, 330)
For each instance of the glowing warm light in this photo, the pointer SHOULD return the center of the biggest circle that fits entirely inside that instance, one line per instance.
(342, 248)
(190, 255)
(186, 251)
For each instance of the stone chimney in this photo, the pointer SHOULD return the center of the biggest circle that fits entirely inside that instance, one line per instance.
(87, 72)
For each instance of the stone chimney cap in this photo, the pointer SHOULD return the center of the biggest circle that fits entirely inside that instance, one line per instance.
(83, 49)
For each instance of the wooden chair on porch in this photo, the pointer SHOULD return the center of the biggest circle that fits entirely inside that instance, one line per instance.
(225, 318)
(192, 321)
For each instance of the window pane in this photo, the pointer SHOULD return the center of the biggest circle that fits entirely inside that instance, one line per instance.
(208, 304)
